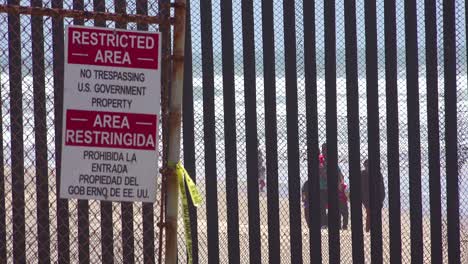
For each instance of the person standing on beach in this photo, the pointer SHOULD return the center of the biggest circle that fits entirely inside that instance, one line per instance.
(379, 189)
(343, 195)
(324, 186)
(323, 195)
(305, 192)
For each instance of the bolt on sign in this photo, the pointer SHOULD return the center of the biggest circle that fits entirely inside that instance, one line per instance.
(111, 113)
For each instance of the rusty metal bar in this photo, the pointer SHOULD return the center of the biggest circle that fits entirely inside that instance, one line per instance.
(165, 89)
(188, 131)
(166, 54)
(83, 205)
(100, 6)
(63, 221)
(40, 130)
(126, 207)
(81, 14)
(121, 9)
(107, 230)
(148, 212)
(142, 9)
(175, 114)
(17, 144)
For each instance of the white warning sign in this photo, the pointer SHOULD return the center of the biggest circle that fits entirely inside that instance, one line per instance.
(110, 114)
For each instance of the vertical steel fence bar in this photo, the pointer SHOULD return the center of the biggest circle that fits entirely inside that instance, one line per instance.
(172, 114)
(373, 130)
(40, 125)
(63, 228)
(271, 134)
(148, 212)
(17, 147)
(165, 29)
(230, 135)
(353, 130)
(170, 185)
(310, 71)
(251, 130)
(450, 81)
(209, 131)
(126, 207)
(292, 131)
(392, 132)
(174, 126)
(107, 237)
(433, 130)
(188, 129)
(83, 205)
(3, 233)
(414, 145)
(99, 6)
(331, 123)
(120, 7)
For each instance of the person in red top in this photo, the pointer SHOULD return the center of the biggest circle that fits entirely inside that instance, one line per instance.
(343, 203)
(321, 160)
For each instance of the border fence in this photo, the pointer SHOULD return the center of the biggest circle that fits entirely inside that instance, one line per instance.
(269, 81)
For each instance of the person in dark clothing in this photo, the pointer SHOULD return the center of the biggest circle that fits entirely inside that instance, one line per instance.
(323, 199)
(379, 190)
(343, 204)
(323, 196)
(324, 185)
(305, 191)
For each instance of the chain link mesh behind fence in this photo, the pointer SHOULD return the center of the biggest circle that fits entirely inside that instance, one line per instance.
(346, 241)
(96, 247)
(26, 104)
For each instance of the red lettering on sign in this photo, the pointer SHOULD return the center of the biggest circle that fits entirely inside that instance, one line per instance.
(104, 47)
(111, 130)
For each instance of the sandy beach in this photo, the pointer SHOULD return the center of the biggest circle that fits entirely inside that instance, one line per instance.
(95, 230)
(345, 237)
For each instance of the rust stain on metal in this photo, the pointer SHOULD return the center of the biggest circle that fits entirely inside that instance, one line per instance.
(174, 120)
(170, 224)
(179, 5)
(162, 225)
(80, 14)
(174, 127)
(178, 58)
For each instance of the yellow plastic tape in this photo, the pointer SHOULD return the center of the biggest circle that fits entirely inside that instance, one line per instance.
(184, 178)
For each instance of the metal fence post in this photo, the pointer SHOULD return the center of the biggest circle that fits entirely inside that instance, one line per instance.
(175, 114)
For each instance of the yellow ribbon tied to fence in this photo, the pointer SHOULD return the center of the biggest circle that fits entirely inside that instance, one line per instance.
(183, 178)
